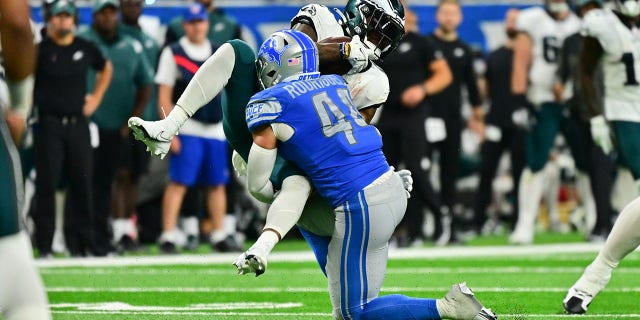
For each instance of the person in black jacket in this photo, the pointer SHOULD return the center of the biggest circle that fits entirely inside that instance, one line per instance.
(502, 131)
(445, 123)
(416, 70)
(62, 138)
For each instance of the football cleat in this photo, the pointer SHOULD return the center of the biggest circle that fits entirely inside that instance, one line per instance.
(577, 301)
(250, 263)
(153, 134)
(463, 303)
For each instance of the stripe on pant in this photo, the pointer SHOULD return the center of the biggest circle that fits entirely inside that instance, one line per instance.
(353, 259)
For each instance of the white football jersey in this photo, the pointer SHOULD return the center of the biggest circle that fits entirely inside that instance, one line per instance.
(620, 63)
(547, 35)
(367, 88)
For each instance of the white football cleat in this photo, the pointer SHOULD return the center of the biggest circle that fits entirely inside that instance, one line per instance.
(462, 304)
(250, 263)
(153, 134)
(581, 294)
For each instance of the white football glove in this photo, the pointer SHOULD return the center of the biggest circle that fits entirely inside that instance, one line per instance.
(407, 181)
(359, 55)
(156, 135)
(239, 164)
(601, 133)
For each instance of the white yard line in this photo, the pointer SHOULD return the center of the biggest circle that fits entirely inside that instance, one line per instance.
(417, 271)
(306, 256)
(314, 289)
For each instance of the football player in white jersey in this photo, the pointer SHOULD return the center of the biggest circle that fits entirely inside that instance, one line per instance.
(541, 33)
(22, 295)
(612, 38)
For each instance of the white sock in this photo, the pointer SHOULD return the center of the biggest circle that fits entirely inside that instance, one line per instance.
(551, 190)
(218, 235)
(583, 186)
(265, 244)
(529, 194)
(190, 226)
(624, 237)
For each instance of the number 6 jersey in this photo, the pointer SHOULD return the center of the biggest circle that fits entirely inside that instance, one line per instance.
(327, 137)
(620, 63)
(547, 35)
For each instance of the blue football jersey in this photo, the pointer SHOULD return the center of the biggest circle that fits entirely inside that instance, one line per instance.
(331, 143)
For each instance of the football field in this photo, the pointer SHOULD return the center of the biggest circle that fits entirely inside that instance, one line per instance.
(516, 282)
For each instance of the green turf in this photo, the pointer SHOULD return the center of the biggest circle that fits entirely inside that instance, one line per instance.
(515, 287)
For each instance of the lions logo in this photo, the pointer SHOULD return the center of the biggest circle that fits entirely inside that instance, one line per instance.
(272, 54)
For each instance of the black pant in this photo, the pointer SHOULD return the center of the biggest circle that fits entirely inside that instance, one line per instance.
(404, 138)
(108, 159)
(449, 161)
(513, 140)
(63, 143)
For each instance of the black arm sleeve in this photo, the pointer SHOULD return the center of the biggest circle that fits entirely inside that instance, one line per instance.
(471, 81)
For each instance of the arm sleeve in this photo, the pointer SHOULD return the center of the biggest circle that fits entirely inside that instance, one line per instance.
(259, 167)
(471, 81)
(562, 73)
(208, 82)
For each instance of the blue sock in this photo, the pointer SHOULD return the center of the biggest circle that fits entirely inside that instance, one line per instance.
(397, 306)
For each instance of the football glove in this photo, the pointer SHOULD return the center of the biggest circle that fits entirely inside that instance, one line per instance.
(239, 165)
(156, 135)
(601, 133)
(407, 181)
(358, 54)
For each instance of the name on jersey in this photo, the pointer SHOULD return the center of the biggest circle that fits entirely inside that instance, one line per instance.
(298, 88)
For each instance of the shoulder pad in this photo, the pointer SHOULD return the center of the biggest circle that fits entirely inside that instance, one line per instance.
(595, 23)
(243, 51)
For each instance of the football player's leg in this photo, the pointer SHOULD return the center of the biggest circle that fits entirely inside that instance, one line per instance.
(623, 239)
(22, 294)
(357, 257)
(539, 143)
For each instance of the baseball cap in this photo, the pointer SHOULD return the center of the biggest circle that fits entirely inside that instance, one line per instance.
(101, 4)
(63, 6)
(194, 12)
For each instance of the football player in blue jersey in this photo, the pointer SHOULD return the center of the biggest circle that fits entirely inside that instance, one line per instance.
(311, 121)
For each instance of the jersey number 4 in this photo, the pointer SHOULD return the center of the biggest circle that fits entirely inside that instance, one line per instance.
(339, 122)
(629, 69)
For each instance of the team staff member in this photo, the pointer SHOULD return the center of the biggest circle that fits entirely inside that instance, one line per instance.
(62, 138)
(504, 126)
(124, 229)
(222, 28)
(127, 95)
(22, 295)
(444, 125)
(415, 70)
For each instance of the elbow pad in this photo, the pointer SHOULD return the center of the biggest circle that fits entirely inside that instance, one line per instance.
(259, 167)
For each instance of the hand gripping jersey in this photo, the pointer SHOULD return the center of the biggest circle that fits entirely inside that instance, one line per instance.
(620, 62)
(369, 87)
(331, 142)
(547, 35)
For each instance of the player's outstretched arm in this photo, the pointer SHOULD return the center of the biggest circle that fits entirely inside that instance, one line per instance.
(206, 84)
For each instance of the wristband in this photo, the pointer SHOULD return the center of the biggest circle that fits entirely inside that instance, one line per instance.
(345, 50)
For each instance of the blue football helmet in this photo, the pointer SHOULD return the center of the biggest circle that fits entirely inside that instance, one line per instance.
(285, 56)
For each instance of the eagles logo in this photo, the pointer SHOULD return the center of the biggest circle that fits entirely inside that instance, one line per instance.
(310, 9)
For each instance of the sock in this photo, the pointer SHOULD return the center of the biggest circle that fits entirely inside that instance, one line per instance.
(624, 237)
(265, 244)
(396, 306)
(218, 235)
(190, 226)
(583, 187)
(531, 185)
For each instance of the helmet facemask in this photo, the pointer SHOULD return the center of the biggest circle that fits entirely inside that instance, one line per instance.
(378, 28)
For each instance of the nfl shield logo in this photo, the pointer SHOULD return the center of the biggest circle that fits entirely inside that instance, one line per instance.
(293, 61)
